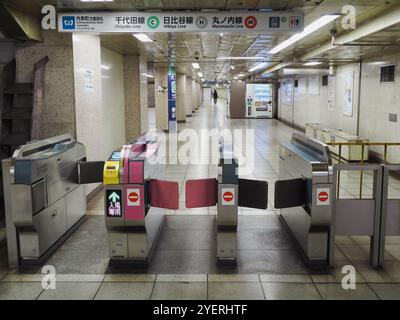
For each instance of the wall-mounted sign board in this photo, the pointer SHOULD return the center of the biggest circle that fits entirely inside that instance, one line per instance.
(180, 21)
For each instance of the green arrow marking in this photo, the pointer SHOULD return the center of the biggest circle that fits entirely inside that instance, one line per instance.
(113, 197)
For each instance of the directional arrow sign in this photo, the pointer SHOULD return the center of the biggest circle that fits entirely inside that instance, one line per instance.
(113, 197)
(113, 205)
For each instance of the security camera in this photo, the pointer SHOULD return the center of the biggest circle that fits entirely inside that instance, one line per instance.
(197, 55)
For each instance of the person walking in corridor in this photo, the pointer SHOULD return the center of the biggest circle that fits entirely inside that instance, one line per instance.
(215, 95)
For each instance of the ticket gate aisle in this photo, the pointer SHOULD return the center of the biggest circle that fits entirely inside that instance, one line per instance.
(311, 208)
(135, 201)
(228, 192)
(44, 200)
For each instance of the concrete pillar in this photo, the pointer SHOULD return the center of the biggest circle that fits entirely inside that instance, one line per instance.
(161, 96)
(180, 97)
(135, 85)
(199, 95)
(188, 101)
(194, 96)
(59, 98)
(144, 97)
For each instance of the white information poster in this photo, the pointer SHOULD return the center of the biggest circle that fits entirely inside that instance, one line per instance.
(313, 84)
(302, 86)
(287, 92)
(348, 94)
(331, 93)
(88, 80)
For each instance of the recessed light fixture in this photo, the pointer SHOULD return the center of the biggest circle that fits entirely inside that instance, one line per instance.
(258, 66)
(241, 58)
(195, 65)
(142, 37)
(317, 24)
(147, 75)
(313, 63)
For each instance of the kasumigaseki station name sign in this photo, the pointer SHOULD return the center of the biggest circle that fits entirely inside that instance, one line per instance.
(180, 21)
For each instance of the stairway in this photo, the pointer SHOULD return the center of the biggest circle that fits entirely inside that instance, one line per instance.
(16, 104)
(16, 116)
(20, 112)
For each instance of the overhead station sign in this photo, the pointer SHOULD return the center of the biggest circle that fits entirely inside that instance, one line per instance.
(181, 21)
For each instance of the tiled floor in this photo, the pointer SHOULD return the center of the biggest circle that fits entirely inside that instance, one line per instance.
(184, 264)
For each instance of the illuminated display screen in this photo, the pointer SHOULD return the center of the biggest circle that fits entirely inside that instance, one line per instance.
(116, 155)
(114, 203)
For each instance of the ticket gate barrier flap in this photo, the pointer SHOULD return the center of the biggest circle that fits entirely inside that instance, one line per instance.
(164, 194)
(89, 172)
(201, 193)
(253, 194)
(290, 193)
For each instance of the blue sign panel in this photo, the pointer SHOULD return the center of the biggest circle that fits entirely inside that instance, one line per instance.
(68, 22)
(171, 94)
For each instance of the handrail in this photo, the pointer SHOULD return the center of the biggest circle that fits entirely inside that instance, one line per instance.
(385, 146)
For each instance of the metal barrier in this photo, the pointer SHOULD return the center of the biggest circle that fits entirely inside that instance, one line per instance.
(356, 217)
(45, 200)
(228, 192)
(304, 167)
(304, 196)
(362, 145)
(390, 217)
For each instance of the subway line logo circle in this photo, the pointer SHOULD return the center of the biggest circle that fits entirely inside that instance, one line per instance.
(250, 22)
(153, 22)
(227, 196)
(323, 196)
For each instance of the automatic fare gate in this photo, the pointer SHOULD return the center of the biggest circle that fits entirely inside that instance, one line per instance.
(228, 192)
(133, 198)
(310, 207)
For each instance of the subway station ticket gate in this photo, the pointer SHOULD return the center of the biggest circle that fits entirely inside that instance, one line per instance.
(134, 202)
(44, 196)
(311, 208)
(227, 192)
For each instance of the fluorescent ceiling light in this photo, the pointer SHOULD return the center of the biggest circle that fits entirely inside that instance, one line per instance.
(142, 37)
(105, 67)
(96, 0)
(241, 58)
(258, 66)
(313, 63)
(200, 74)
(195, 65)
(147, 75)
(314, 26)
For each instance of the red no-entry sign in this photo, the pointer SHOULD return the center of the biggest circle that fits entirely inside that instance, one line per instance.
(228, 196)
(323, 197)
(133, 197)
